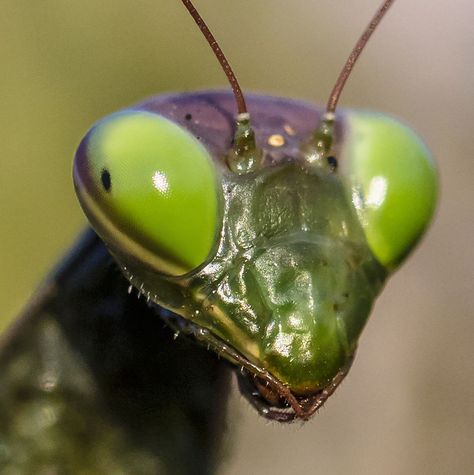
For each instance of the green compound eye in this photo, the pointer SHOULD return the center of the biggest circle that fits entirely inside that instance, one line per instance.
(150, 189)
(393, 183)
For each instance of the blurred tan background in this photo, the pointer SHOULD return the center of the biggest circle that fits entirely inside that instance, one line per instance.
(408, 405)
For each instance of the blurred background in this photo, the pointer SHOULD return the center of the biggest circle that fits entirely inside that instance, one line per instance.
(407, 406)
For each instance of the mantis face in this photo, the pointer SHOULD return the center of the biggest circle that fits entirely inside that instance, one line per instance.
(276, 269)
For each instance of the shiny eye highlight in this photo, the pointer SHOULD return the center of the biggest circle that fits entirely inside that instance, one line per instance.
(150, 189)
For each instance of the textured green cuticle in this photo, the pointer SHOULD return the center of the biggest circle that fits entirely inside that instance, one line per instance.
(293, 282)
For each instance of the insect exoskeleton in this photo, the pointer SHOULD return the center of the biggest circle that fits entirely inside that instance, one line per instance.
(280, 264)
(268, 232)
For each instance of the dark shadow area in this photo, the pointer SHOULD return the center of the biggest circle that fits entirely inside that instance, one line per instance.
(93, 375)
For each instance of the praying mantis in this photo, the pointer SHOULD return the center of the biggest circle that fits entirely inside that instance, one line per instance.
(264, 208)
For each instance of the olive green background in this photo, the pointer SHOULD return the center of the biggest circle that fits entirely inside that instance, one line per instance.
(407, 407)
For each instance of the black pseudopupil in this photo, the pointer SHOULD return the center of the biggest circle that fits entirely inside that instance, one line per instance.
(106, 180)
(332, 161)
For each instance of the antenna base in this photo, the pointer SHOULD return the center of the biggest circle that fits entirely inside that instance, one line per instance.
(317, 151)
(245, 156)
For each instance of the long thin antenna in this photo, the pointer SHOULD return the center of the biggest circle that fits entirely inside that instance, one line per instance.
(244, 156)
(351, 60)
(239, 97)
(318, 150)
